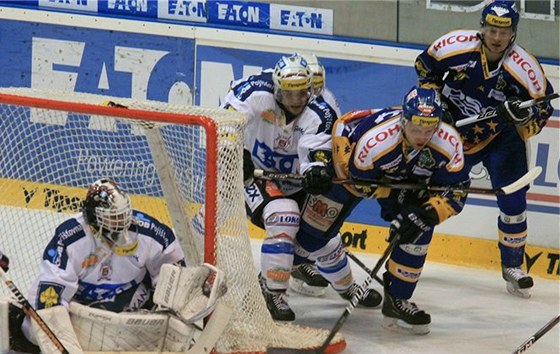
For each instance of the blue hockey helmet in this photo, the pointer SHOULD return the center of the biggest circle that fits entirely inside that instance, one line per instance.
(500, 13)
(422, 106)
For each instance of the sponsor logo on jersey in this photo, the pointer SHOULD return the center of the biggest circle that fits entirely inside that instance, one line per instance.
(105, 272)
(49, 295)
(283, 142)
(321, 212)
(372, 141)
(527, 67)
(426, 160)
(268, 116)
(90, 261)
(460, 38)
(126, 250)
(283, 219)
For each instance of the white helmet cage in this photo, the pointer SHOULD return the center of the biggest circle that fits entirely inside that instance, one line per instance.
(291, 74)
(319, 74)
(109, 209)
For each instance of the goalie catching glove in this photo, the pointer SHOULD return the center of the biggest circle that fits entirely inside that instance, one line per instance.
(190, 292)
(414, 221)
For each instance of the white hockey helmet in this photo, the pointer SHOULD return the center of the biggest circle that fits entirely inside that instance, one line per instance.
(291, 74)
(109, 210)
(319, 74)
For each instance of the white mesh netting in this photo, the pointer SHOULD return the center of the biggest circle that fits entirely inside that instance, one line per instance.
(49, 158)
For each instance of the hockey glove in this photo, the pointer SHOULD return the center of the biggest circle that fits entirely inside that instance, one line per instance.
(510, 112)
(248, 166)
(414, 221)
(4, 262)
(316, 180)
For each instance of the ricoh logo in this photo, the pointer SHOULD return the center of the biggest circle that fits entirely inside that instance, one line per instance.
(238, 12)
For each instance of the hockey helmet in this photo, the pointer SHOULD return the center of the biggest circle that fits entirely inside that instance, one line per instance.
(292, 74)
(422, 106)
(109, 210)
(318, 71)
(500, 13)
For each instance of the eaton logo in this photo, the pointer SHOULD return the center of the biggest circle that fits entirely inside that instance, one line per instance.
(238, 13)
(301, 19)
(82, 5)
(128, 5)
(183, 10)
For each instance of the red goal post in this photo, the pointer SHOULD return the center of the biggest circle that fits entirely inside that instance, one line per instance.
(181, 164)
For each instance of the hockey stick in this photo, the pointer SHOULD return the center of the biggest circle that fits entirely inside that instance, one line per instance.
(361, 264)
(525, 180)
(493, 112)
(30, 311)
(535, 337)
(354, 300)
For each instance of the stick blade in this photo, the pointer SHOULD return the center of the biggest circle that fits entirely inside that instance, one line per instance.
(525, 180)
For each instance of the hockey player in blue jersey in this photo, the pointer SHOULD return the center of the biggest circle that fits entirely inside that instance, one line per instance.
(480, 70)
(409, 144)
(287, 131)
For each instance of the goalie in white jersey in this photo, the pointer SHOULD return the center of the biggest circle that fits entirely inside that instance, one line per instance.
(105, 261)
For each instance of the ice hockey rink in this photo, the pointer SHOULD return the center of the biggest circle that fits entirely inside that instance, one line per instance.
(471, 313)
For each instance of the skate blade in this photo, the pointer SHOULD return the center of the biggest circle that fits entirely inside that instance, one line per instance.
(399, 326)
(514, 290)
(300, 287)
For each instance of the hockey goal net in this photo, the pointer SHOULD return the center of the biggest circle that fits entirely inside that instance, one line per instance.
(181, 164)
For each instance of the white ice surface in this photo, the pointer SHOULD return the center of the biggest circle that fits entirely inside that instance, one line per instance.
(471, 313)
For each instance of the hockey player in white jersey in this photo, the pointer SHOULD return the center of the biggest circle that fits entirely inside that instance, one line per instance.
(477, 71)
(103, 261)
(287, 132)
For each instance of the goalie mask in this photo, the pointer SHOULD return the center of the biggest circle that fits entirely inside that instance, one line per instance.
(421, 116)
(318, 71)
(292, 83)
(108, 210)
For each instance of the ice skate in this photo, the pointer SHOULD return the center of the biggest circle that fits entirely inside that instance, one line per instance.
(369, 298)
(276, 302)
(518, 283)
(306, 280)
(403, 316)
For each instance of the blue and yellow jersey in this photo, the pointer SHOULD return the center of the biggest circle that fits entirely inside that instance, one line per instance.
(457, 65)
(370, 146)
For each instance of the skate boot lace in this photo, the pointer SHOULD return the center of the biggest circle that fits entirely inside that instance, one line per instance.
(408, 307)
(280, 301)
(514, 273)
(308, 270)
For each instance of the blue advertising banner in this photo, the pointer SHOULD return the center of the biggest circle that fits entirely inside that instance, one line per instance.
(239, 13)
(181, 10)
(96, 61)
(139, 8)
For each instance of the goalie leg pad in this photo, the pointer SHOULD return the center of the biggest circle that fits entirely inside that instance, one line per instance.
(191, 292)
(58, 320)
(101, 330)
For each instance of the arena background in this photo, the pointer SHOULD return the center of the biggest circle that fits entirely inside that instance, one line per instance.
(151, 50)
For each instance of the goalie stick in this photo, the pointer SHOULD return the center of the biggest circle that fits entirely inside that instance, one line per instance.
(535, 337)
(493, 112)
(525, 180)
(30, 311)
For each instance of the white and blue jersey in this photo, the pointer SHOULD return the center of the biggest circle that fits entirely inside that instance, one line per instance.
(81, 267)
(278, 141)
